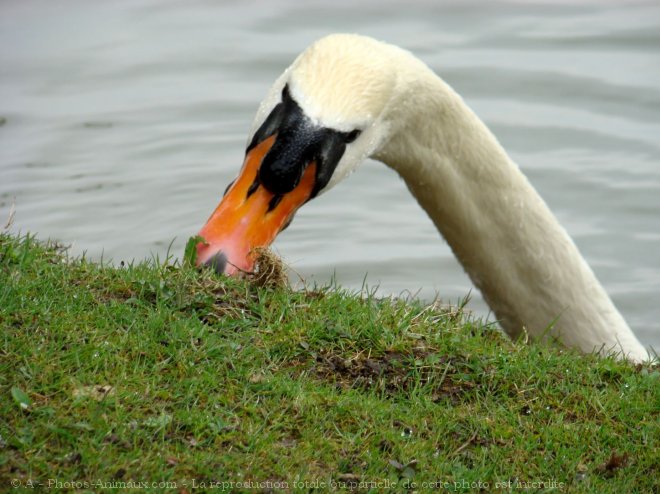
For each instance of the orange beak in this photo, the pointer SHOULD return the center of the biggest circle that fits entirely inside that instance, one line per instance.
(249, 216)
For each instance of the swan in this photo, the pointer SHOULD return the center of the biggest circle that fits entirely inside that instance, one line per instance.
(349, 97)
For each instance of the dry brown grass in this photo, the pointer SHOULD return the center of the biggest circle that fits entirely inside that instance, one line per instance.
(269, 270)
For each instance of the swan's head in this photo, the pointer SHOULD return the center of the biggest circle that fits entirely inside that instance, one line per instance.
(319, 121)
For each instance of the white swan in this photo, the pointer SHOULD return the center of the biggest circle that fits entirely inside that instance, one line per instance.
(350, 97)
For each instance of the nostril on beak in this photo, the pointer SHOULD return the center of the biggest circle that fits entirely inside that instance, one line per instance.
(218, 262)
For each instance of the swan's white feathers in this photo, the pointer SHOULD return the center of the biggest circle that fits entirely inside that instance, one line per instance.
(510, 244)
(327, 76)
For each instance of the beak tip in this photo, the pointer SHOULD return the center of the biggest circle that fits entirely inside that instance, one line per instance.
(218, 262)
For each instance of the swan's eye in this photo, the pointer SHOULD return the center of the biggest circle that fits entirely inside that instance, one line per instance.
(352, 135)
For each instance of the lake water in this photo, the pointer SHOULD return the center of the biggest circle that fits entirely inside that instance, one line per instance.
(122, 123)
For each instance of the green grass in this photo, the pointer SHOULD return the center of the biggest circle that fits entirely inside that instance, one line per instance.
(154, 372)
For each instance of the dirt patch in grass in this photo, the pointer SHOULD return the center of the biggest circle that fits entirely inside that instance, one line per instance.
(615, 462)
(395, 372)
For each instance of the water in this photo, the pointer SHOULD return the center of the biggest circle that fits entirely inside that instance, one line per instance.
(124, 121)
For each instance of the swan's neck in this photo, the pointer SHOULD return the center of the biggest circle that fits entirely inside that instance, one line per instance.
(512, 247)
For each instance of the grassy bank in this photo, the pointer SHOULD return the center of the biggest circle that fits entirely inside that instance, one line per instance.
(151, 372)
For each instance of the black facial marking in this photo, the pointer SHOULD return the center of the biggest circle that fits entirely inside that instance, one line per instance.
(299, 141)
(288, 222)
(269, 127)
(274, 202)
(228, 187)
(352, 135)
(253, 187)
